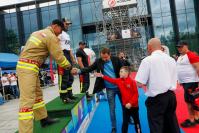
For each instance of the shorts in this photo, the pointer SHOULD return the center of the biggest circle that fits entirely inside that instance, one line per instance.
(187, 86)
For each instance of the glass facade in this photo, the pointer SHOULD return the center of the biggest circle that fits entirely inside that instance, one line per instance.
(17, 24)
(186, 18)
(163, 24)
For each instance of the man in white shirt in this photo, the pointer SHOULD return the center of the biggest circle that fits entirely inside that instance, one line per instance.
(5, 84)
(65, 77)
(13, 85)
(188, 78)
(158, 73)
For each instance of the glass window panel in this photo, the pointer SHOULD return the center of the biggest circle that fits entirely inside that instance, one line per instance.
(168, 28)
(65, 12)
(77, 37)
(158, 27)
(75, 17)
(189, 3)
(165, 6)
(182, 24)
(191, 21)
(97, 11)
(26, 23)
(87, 13)
(52, 15)
(155, 9)
(181, 11)
(45, 18)
(179, 4)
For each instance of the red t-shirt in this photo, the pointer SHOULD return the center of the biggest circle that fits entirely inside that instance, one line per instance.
(128, 89)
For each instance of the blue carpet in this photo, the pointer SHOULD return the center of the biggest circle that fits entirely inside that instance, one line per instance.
(101, 120)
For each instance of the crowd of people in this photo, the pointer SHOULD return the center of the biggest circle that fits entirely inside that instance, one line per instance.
(9, 85)
(158, 71)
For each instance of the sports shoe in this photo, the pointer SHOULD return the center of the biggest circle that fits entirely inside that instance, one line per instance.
(188, 123)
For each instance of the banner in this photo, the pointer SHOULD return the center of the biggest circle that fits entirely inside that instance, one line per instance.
(79, 112)
(115, 3)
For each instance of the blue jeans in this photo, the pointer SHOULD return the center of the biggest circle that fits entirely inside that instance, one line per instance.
(111, 93)
(15, 90)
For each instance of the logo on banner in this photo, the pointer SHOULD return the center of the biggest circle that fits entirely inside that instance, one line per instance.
(111, 3)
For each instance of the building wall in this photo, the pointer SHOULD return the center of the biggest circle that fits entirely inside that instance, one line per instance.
(181, 26)
(18, 23)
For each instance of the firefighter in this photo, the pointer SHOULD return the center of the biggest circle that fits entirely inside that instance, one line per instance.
(65, 77)
(39, 45)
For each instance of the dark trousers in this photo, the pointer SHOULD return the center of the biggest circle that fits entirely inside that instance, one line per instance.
(66, 80)
(161, 113)
(84, 82)
(127, 113)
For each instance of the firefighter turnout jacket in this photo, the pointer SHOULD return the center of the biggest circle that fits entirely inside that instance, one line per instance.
(39, 45)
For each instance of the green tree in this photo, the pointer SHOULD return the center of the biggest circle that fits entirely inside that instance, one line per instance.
(11, 42)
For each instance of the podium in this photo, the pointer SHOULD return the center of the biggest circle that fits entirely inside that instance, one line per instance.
(71, 116)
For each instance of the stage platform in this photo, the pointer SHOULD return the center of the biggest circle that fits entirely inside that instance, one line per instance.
(73, 117)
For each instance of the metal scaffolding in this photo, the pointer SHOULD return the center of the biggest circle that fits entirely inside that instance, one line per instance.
(116, 19)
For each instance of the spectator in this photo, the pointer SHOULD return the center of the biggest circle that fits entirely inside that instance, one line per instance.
(82, 60)
(5, 84)
(129, 93)
(188, 78)
(158, 73)
(165, 49)
(109, 66)
(123, 59)
(13, 85)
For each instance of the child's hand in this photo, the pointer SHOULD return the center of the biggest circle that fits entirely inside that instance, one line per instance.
(128, 106)
(98, 74)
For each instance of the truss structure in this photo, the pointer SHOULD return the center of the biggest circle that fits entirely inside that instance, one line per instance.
(126, 17)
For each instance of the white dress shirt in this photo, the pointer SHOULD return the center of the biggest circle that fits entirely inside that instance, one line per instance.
(65, 41)
(158, 73)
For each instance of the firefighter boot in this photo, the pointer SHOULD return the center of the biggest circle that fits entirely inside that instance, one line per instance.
(70, 95)
(48, 121)
(65, 99)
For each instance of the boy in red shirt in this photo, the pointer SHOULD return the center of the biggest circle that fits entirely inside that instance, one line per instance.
(129, 93)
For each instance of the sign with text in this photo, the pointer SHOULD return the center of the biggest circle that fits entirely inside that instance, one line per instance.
(116, 3)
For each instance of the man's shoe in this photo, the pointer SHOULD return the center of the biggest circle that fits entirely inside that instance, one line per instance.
(48, 121)
(188, 123)
(113, 130)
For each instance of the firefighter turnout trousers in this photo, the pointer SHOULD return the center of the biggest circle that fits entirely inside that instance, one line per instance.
(31, 104)
(65, 78)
